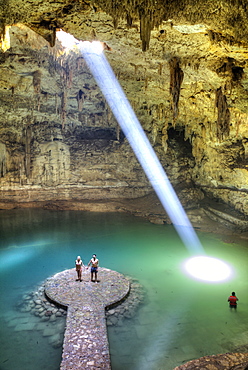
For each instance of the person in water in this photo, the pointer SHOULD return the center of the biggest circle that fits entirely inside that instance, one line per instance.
(94, 262)
(233, 300)
(79, 267)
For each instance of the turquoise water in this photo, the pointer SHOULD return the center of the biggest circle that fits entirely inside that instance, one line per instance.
(180, 318)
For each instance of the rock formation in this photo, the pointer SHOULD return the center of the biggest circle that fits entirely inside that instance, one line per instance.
(184, 70)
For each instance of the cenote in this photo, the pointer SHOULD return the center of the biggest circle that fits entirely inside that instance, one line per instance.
(179, 319)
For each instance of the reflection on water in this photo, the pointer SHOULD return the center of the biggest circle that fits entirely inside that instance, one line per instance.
(180, 319)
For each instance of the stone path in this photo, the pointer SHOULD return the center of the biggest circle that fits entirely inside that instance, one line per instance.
(85, 341)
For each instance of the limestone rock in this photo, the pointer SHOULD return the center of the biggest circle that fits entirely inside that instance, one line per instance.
(184, 73)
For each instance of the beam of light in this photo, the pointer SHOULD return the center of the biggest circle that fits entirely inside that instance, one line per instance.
(208, 269)
(67, 40)
(164, 328)
(41, 244)
(10, 259)
(141, 146)
(15, 254)
(125, 116)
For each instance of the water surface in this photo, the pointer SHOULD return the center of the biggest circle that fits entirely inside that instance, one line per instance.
(180, 318)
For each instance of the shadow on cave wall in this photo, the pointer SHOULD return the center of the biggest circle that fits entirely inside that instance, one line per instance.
(177, 142)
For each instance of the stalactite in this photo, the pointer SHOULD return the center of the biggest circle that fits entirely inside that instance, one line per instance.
(223, 120)
(109, 115)
(37, 81)
(228, 86)
(36, 85)
(134, 104)
(66, 75)
(145, 29)
(2, 31)
(165, 138)
(80, 100)
(56, 103)
(21, 172)
(80, 63)
(176, 79)
(241, 119)
(118, 131)
(66, 79)
(3, 160)
(154, 133)
(95, 118)
(245, 146)
(52, 40)
(115, 21)
(129, 20)
(28, 138)
(69, 78)
(146, 83)
(156, 111)
(38, 103)
(160, 69)
(162, 111)
(63, 108)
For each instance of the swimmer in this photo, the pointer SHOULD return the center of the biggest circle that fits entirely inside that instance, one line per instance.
(233, 301)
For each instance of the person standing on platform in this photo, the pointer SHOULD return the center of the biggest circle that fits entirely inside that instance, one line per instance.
(94, 262)
(233, 301)
(79, 267)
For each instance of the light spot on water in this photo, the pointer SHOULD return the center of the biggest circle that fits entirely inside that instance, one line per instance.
(208, 269)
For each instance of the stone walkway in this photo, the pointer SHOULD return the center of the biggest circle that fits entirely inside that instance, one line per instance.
(85, 341)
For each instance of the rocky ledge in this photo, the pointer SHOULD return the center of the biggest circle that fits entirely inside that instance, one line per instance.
(206, 215)
(231, 361)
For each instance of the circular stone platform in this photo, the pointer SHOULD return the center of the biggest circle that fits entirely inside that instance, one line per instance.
(85, 341)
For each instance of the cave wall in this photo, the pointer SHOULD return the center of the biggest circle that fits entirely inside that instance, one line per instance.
(59, 138)
(56, 129)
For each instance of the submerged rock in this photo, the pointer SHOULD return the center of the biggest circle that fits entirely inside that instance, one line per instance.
(37, 304)
(232, 361)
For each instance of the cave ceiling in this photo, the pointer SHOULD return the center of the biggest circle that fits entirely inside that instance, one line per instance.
(182, 64)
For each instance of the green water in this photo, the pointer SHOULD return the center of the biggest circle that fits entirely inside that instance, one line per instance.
(180, 318)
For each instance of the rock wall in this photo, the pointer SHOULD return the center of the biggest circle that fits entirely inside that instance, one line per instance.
(57, 130)
(189, 90)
